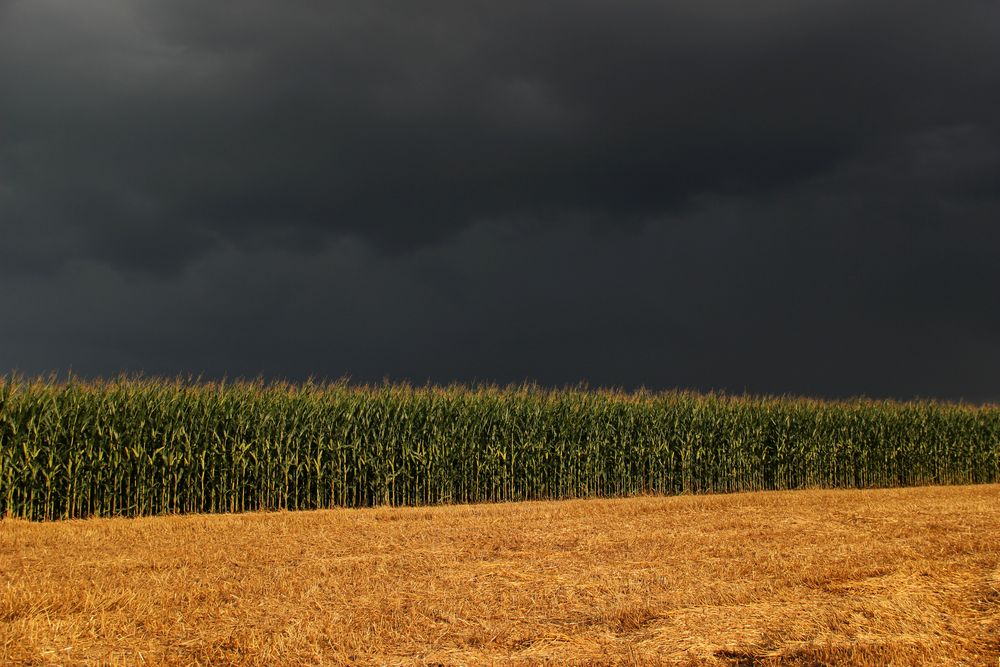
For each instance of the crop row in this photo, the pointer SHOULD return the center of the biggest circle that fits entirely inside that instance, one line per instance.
(137, 447)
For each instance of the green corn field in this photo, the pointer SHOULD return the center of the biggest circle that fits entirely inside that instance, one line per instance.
(134, 447)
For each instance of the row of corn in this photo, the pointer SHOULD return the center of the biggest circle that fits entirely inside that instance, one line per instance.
(137, 447)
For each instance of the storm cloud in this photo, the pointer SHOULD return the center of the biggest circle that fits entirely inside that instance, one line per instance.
(780, 196)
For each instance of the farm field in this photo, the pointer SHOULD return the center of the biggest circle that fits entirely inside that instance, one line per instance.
(810, 577)
(147, 447)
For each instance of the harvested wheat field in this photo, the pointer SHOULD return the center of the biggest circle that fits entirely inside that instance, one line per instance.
(882, 577)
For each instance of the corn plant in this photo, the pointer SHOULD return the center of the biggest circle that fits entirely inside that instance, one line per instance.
(132, 447)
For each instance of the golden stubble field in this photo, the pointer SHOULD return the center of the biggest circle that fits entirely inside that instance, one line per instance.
(885, 577)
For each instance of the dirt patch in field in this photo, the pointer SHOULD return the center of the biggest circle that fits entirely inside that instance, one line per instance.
(902, 577)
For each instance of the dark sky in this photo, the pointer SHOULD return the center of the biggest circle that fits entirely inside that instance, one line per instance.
(779, 196)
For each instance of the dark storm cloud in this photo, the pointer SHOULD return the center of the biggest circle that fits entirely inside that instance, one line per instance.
(777, 196)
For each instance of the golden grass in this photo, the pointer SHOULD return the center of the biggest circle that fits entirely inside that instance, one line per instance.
(889, 577)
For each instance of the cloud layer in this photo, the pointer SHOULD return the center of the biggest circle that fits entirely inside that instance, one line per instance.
(778, 197)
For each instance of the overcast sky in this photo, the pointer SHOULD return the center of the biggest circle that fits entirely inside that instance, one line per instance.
(780, 196)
